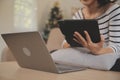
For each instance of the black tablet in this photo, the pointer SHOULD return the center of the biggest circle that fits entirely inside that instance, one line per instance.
(68, 27)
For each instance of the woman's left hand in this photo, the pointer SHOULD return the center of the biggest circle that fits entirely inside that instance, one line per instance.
(93, 47)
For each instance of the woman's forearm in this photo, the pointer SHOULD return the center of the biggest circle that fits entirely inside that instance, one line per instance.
(66, 45)
(104, 51)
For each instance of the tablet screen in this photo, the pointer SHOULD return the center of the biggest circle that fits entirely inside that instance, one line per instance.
(68, 27)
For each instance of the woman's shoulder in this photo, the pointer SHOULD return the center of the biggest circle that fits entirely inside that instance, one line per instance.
(78, 14)
(113, 9)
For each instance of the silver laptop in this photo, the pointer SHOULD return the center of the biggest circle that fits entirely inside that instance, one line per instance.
(30, 52)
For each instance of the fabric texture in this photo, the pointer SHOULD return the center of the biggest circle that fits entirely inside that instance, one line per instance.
(81, 57)
(109, 26)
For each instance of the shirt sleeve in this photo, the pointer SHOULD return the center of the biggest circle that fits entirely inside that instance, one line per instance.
(114, 32)
(77, 15)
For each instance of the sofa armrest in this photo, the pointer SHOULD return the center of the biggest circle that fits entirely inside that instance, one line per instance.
(55, 39)
(7, 55)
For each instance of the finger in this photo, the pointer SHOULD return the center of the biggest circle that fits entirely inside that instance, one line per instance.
(76, 40)
(80, 38)
(87, 37)
(83, 44)
(77, 37)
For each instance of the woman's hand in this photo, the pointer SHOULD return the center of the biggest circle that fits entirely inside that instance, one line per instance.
(93, 47)
(66, 45)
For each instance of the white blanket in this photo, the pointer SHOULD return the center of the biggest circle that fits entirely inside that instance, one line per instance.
(82, 57)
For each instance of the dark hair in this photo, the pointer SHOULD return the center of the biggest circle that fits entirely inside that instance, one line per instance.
(104, 2)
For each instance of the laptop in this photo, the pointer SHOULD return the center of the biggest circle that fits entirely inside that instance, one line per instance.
(68, 27)
(30, 52)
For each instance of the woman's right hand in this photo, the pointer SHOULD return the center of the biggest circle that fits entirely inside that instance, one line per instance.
(95, 48)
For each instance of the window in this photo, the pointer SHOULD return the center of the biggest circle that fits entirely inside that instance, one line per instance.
(25, 15)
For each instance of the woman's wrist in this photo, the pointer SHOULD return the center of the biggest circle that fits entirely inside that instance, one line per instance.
(103, 51)
(66, 45)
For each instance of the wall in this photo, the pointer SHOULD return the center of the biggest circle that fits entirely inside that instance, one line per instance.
(6, 19)
(6, 15)
(45, 6)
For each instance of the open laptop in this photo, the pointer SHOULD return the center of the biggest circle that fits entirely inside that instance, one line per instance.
(30, 52)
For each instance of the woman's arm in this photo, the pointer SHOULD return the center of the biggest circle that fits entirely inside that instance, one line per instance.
(95, 48)
(65, 44)
(105, 50)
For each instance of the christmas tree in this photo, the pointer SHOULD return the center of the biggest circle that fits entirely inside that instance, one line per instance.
(55, 15)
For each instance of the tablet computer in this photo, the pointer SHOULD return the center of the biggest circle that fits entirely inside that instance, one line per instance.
(68, 27)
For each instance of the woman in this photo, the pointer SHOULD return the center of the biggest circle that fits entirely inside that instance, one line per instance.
(103, 54)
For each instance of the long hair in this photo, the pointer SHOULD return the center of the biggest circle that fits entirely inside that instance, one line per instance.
(104, 2)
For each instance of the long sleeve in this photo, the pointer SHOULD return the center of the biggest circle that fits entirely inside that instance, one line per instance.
(114, 31)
